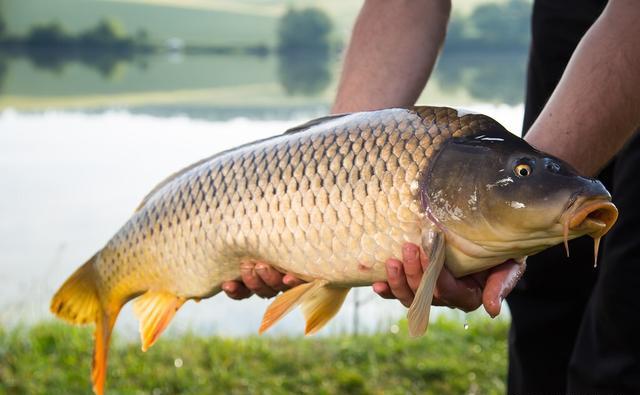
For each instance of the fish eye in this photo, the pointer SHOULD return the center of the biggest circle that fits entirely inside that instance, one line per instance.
(522, 170)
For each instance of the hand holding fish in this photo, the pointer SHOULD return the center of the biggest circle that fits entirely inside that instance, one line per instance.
(487, 288)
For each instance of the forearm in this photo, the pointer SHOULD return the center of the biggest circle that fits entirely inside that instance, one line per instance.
(391, 53)
(596, 105)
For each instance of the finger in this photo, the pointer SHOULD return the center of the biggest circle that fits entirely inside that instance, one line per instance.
(500, 282)
(461, 293)
(412, 265)
(236, 290)
(291, 281)
(479, 279)
(270, 276)
(383, 289)
(398, 282)
(252, 281)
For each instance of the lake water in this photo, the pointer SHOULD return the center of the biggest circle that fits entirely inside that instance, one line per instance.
(80, 145)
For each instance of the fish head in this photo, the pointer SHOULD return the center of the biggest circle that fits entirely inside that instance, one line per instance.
(496, 198)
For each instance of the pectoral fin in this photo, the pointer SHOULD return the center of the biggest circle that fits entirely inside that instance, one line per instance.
(155, 310)
(286, 302)
(321, 306)
(418, 315)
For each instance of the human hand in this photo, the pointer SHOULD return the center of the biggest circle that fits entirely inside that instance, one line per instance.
(467, 293)
(261, 279)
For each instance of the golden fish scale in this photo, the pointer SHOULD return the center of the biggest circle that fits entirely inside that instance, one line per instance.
(333, 202)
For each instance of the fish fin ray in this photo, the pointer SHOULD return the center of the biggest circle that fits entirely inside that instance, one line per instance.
(155, 310)
(418, 315)
(314, 122)
(286, 302)
(102, 337)
(171, 178)
(77, 299)
(320, 306)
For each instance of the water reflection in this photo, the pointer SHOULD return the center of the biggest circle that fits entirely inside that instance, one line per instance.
(200, 83)
(103, 63)
(304, 73)
(3, 73)
(487, 76)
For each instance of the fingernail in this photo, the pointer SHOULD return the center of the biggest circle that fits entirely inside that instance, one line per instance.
(261, 268)
(227, 288)
(394, 270)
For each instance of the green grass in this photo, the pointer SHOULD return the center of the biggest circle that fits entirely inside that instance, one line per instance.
(54, 358)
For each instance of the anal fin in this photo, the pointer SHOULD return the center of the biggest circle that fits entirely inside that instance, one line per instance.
(319, 304)
(155, 310)
(418, 315)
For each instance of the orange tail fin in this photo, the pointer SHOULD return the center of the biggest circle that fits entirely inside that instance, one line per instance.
(77, 302)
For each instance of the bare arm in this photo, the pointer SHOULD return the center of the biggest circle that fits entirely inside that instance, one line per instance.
(596, 105)
(393, 48)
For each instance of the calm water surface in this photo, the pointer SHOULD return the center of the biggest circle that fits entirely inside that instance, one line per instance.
(80, 148)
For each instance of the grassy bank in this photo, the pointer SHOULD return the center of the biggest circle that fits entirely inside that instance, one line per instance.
(53, 358)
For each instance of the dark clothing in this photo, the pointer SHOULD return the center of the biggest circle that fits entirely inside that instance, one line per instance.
(574, 328)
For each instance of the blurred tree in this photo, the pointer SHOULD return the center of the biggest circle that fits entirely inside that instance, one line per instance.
(49, 35)
(3, 25)
(501, 79)
(493, 27)
(304, 30)
(108, 33)
(503, 25)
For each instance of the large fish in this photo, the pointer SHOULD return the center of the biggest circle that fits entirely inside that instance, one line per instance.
(330, 201)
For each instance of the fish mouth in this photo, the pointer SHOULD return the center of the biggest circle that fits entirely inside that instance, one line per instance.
(589, 216)
(594, 218)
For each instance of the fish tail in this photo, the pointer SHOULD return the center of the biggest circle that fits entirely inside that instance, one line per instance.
(78, 302)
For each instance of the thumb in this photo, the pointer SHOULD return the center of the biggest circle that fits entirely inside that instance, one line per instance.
(500, 282)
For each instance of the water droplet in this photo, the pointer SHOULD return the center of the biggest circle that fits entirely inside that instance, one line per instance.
(177, 362)
(466, 325)
(394, 329)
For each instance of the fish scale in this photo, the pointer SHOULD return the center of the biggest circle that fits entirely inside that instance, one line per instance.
(314, 203)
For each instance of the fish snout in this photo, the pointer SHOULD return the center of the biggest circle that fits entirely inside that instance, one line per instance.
(593, 216)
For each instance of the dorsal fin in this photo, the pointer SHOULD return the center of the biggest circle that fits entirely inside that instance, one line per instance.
(171, 178)
(177, 174)
(314, 122)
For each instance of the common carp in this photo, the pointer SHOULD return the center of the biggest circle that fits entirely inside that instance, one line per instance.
(329, 201)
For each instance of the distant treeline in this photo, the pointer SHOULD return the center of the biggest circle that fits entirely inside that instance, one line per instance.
(305, 45)
(108, 34)
(494, 26)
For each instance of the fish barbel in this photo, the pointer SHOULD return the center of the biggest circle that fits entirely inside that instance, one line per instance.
(329, 202)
